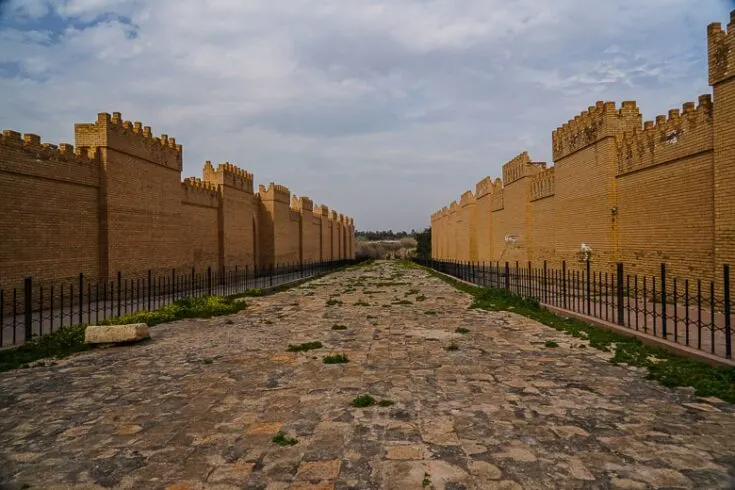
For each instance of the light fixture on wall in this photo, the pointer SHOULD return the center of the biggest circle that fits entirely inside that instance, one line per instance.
(585, 251)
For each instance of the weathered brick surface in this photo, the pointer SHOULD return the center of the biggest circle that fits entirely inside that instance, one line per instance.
(117, 203)
(50, 210)
(640, 193)
(721, 49)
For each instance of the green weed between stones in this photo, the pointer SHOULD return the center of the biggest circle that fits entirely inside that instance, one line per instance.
(462, 330)
(430, 312)
(427, 480)
(335, 359)
(452, 346)
(663, 366)
(307, 346)
(363, 401)
(70, 340)
(332, 302)
(550, 344)
(282, 440)
(367, 400)
(421, 298)
(403, 302)
(339, 327)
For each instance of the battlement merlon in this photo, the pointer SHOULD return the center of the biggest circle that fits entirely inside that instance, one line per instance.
(682, 133)
(483, 187)
(598, 122)
(200, 193)
(130, 138)
(721, 51)
(467, 198)
(46, 151)
(306, 204)
(275, 192)
(542, 184)
(519, 167)
(228, 175)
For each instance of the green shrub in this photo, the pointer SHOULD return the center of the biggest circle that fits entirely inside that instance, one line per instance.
(307, 346)
(335, 359)
(282, 440)
(363, 401)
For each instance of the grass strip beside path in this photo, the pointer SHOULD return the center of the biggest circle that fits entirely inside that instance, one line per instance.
(663, 366)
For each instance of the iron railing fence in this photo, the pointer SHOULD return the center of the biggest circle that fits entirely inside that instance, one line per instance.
(695, 313)
(39, 308)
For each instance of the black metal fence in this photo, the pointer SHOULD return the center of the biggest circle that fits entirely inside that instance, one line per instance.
(37, 309)
(696, 313)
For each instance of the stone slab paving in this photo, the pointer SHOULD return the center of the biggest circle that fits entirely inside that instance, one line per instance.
(198, 405)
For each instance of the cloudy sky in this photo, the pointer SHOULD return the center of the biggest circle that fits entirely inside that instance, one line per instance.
(384, 110)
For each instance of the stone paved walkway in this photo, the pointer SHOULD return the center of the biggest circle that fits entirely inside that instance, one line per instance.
(198, 406)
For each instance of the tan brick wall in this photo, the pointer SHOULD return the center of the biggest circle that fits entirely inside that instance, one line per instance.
(721, 50)
(279, 227)
(49, 211)
(326, 231)
(543, 230)
(237, 213)
(141, 217)
(483, 220)
(117, 203)
(200, 231)
(311, 229)
(640, 193)
(336, 234)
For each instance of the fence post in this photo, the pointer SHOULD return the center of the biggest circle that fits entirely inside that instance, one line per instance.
(546, 291)
(173, 284)
(27, 308)
(663, 300)
(507, 276)
(209, 281)
(150, 288)
(589, 292)
(621, 295)
(119, 293)
(564, 282)
(728, 327)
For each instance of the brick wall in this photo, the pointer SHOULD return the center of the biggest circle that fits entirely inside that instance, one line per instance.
(50, 210)
(237, 213)
(640, 193)
(117, 203)
(141, 217)
(200, 218)
(721, 53)
(483, 220)
(311, 229)
(279, 232)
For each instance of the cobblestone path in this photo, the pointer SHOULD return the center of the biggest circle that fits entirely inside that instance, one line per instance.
(198, 406)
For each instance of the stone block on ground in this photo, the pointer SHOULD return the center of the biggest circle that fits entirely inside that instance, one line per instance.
(114, 334)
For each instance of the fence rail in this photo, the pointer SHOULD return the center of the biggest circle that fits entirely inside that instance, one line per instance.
(692, 313)
(37, 309)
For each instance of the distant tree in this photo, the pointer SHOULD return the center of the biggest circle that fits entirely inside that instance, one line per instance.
(423, 244)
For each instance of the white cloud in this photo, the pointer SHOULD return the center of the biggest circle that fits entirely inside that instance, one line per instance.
(382, 109)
